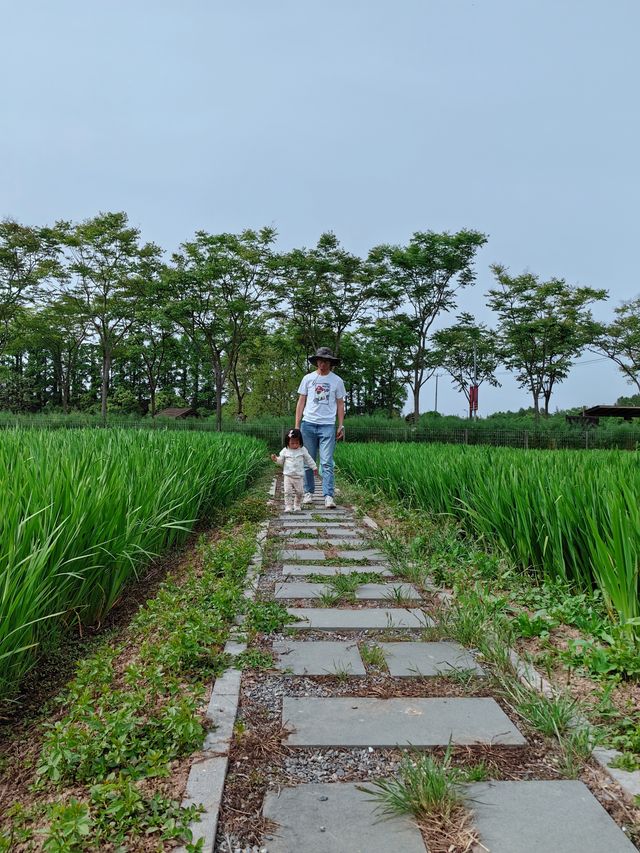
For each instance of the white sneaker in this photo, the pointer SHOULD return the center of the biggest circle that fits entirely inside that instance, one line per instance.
(288, 509)
(307, 499)
(329, 502)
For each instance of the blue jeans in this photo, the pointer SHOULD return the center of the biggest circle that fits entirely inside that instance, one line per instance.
(324, 436)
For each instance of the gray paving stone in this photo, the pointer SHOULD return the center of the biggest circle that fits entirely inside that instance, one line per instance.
(314, 515)
(297, 571)
(318, 658)
(300, 589)
(339, 619)
(204, 788)
(365, 592)
(302, 554)
(328, 525)
(336, 818)
(322, 541)
(355, 722)
(413, 659)
(386, 592)
(369, 554)
(543, 817)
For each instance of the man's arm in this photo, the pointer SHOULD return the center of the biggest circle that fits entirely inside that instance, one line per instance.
(302, 402)
(340, 410)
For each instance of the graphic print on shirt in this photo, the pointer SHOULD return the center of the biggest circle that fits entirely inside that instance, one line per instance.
(322, 391)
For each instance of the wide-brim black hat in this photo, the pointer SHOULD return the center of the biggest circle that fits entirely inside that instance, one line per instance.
(324, 352)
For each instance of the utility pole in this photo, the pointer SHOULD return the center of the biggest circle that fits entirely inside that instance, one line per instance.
(435, 405)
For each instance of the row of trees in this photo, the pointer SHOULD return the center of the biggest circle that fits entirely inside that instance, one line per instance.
(90, 316)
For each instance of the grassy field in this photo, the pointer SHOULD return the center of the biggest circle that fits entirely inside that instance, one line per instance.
(81, 511)
(561, 515)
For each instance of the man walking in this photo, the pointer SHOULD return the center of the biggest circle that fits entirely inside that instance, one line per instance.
(321, 400)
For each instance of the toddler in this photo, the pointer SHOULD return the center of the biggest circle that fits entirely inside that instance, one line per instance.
(293, 458)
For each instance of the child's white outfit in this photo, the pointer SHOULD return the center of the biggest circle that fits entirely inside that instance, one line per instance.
(293, 464)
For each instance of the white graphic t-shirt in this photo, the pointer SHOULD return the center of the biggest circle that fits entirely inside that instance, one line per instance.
(322, 393)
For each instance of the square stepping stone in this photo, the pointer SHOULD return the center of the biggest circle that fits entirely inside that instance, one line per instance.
(365, 592)
(300, 571)
(336, 817)
(415, 659)
(296, 522)
(381, 723)
(302, 554)
(386, 592)
(559, 816)
(300, 589)
(347, 619)
(293, 531)
(369, 554)
(318, 658)
(321, 541)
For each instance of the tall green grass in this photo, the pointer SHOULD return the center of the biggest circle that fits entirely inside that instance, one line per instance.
(82, 511)
(561, 514)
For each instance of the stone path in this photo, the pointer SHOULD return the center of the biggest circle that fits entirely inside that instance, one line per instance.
(337, 817)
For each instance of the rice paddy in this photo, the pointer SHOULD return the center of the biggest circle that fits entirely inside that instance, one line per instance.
(560, 514)
(82, 511)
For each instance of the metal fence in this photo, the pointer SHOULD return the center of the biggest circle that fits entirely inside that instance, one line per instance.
(273, 434)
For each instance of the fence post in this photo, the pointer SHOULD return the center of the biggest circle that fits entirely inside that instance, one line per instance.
(466, 436)
(526, 439)
(586, 439)
(283, 433)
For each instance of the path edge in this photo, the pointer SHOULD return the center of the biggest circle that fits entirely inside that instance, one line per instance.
(205, 784)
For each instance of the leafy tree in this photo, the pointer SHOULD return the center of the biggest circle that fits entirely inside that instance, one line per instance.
(328, 291)
(425, 276)
(223, 283)
(468, 353)
(375, 366)
(620, 340)
(543, 327)
(152, 331)
(105, 263)
(61, 329)
(28, 258)
(277, 365)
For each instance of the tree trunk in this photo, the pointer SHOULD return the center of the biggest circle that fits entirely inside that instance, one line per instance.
(536, 405)
(218, 375)
(106, 370)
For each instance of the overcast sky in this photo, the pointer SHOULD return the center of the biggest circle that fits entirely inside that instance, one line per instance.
(370, 118)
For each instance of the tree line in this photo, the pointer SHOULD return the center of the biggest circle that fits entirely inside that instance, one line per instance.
(92, 318)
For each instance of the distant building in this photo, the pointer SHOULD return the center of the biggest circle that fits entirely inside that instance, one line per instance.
(176, 413)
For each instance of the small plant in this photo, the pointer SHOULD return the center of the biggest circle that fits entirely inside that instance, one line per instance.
(267, 617)
(328, 598)
(70, 824)
(576, 748)
(551, 715)
(461, 675)
(398, 595)
(618, 655)
(479, 772)
(424, 786)
(341, 671)
(253, 659)
(372, 655)
(531, 626)
(626, 761)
